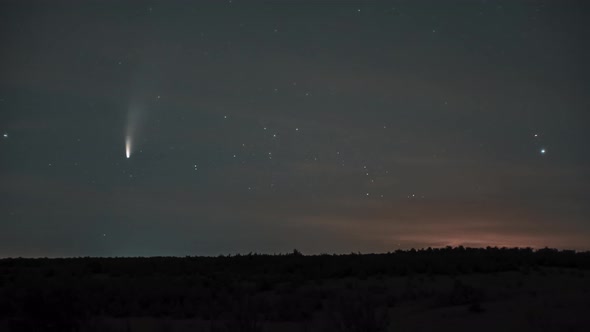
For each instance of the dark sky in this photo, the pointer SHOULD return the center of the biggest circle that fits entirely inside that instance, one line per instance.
(262, 127)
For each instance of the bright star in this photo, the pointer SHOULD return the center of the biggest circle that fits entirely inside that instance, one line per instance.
(543, 151)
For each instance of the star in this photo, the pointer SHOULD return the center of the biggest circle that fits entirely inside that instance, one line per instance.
(5, 135)
(543, 151)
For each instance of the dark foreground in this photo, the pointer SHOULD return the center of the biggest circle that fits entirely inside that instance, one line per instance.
(428, 290)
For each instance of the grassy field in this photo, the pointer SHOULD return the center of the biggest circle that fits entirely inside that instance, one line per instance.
(450, 289)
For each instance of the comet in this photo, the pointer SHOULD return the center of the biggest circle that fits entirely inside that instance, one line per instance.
(134, 117)
(142, 98)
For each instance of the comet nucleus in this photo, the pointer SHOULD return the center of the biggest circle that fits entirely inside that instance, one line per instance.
(128, 147)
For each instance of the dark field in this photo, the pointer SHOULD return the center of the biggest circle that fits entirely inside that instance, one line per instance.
(451, 289)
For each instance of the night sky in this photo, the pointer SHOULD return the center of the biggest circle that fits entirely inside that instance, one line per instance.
(206, 128)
